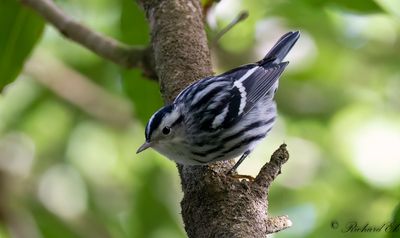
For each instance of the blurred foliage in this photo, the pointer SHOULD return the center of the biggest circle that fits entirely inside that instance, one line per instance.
(133, 79)
(20, 29)
(395, 223)
(67, 174)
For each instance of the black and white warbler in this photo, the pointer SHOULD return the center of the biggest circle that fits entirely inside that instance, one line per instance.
(221, 117)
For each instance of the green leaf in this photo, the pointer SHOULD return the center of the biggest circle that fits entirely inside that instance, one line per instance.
(358, 6)
(3, 231)
(134, 26)
(51, 225)
(20, 29)
(151, 214)
(394, 232)
(144, 94)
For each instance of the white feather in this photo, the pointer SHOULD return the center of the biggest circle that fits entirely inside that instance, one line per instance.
(220, 118)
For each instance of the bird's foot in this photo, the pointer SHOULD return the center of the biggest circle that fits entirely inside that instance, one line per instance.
(241, 176)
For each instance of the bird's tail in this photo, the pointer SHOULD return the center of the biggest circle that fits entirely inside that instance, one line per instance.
(282, 47)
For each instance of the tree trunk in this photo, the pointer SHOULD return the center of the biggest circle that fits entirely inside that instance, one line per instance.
(214, 205)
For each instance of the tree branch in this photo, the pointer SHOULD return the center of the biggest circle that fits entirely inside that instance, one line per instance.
(106, 47)
(179, 43)
(80, 91)
(214, 205)
(272, 169)
(276, 224)
(243, 15)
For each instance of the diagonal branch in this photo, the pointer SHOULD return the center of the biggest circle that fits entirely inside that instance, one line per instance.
(106, 47)
(276, 224)
(272, 169)
(80, 91)
(243, 15)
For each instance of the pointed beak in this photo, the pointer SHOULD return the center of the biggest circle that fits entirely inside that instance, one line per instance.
(143, 147)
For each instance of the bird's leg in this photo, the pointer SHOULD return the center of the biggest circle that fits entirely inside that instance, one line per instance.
(233, 169)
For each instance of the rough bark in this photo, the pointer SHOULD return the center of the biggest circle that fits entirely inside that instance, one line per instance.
(214, 205)
(179, 43)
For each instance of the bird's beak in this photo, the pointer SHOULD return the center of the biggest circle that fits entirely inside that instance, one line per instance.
(143, 147)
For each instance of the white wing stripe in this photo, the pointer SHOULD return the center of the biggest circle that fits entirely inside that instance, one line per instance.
(206, 90)
(247, 74)
(239, 85)
(243, 95)
(220, 118)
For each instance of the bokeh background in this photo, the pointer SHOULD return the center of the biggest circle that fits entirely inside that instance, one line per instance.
(71, 122)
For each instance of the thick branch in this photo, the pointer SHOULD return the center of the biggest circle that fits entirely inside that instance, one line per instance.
(117, 52)
(179, 43)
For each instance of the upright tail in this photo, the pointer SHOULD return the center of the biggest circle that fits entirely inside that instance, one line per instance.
(282, 47)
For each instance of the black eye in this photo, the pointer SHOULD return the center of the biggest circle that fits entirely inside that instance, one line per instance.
(166, 130)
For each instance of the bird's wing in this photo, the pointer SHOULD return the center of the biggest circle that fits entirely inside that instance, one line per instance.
(216, 102)
(250, 84)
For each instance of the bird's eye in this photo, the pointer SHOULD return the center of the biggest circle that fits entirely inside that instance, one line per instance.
(166, 130)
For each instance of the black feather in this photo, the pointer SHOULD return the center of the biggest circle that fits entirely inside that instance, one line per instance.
(155, 121)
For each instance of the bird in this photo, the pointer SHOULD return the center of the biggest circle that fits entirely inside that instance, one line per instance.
(221, 117)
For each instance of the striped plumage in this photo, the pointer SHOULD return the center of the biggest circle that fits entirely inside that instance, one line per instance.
(221, 117)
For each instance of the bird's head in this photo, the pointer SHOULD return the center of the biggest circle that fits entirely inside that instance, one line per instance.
(163, 128)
